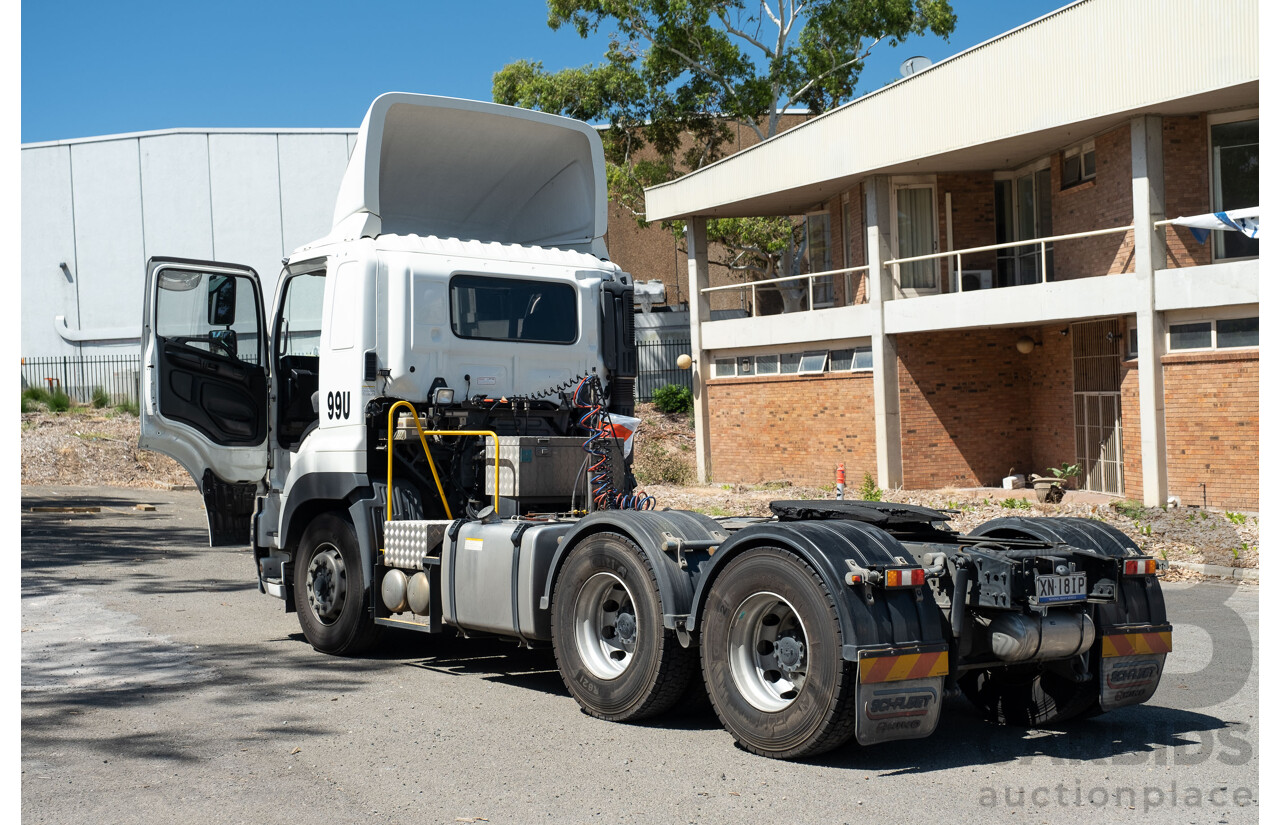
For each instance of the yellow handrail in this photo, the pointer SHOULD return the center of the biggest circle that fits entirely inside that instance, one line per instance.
(422, 437)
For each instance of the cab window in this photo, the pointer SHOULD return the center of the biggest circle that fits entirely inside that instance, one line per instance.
(213, 312)
(507, 309)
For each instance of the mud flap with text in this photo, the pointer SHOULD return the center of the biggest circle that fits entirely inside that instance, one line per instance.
(1132, 664)
(899, 693)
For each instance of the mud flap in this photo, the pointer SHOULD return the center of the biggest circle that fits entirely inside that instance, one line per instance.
(1132, 664)
(899, 693)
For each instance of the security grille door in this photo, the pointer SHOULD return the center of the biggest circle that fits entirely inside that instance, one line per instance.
(1096, 361)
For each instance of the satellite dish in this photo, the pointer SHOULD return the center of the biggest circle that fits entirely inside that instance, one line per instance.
(914, 64)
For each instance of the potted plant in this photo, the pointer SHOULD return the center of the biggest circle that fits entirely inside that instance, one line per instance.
(1050, 489)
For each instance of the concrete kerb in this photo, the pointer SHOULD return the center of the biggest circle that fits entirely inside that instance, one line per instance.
(1221, 571)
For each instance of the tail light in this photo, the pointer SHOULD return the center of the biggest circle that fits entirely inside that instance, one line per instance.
(909, 577)
(1139, 567)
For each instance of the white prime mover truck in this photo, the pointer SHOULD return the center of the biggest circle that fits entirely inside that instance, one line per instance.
(422, 435)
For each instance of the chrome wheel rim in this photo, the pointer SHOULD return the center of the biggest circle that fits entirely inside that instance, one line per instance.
(327, 584)
(768, 652)
(605, 626)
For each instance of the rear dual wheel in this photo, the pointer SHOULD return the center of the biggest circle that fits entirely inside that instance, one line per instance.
(771, 657)
(614, 654)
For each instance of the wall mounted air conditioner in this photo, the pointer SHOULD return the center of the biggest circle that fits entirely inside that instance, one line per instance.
(974, 279)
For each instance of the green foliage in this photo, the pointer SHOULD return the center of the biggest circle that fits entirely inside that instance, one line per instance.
(1066, 470)
(1235, 518)
(869, 490)
(33, 396)
(1015, 504)
(676, 75)
(1131, 509)
(673, 398)
(100, 398)
(128, 408)
(59, 401)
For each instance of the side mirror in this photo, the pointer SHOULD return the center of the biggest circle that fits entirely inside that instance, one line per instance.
(226, 341)
(222, 300)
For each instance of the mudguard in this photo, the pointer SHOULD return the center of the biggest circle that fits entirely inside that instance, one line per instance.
(648, 529)
(893, 636)
(871, 617)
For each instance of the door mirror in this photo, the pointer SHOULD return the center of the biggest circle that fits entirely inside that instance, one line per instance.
(224, 341)
(222, 300)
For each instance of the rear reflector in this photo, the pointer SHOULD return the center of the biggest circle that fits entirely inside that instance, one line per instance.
(912, 577)
(1139, 567)
(1150, 643)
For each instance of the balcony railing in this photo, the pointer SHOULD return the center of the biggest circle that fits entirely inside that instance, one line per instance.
(958, 254)
(773, 283)
(1041, 246)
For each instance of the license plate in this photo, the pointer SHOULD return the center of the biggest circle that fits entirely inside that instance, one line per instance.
(1054, 589)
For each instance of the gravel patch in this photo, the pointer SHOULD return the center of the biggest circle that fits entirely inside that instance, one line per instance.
(93, 447)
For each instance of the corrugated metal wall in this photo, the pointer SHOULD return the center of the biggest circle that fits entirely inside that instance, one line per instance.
(103, 206)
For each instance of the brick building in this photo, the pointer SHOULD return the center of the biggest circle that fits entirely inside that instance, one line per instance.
(993, 280)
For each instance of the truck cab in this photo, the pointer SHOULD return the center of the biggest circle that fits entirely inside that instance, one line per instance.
(466, 259)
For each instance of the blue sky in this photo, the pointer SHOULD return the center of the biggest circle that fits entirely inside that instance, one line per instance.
(92, 68)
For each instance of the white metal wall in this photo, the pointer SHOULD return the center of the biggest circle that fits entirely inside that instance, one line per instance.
(104, 205)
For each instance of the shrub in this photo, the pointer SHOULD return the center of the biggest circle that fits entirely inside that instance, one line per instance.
(59, 401)
(673, 398)
(869, 491)
(655, 464)
(100, 398)
(32, 396)
(128, 407)
(1132, 509)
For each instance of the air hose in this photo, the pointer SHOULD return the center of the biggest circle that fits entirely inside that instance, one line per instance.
(588, 396)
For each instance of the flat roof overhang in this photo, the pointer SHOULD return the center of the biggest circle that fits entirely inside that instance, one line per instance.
(1072, 74)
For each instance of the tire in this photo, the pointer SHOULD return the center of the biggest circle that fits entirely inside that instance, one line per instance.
(613, 653)
(1029, 696)
(771, 657)
(328, 589)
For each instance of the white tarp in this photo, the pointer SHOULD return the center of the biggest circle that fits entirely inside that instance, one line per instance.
(1237, 220)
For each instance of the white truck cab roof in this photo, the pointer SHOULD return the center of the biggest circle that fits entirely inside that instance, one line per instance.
(502, 174)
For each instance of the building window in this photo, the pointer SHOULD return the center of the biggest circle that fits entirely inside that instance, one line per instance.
(1079, 164)
(1133, 343)
(1191, 336)
(847, 360)
(813, 362)
(1024, 212)
(915, 234)
(809, 362)
(817, 230)
(1227, 333)
(1237, 332)
(1234, 148)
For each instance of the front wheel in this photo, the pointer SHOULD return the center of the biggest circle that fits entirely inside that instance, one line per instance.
(613, 652)
(328, 589)
(771, 657)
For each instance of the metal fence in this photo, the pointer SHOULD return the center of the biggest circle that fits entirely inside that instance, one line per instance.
(78, 376)
(658, 367)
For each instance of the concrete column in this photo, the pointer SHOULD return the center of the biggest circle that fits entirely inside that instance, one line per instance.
(884, 349)
(1147, 153)
(699, 311)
